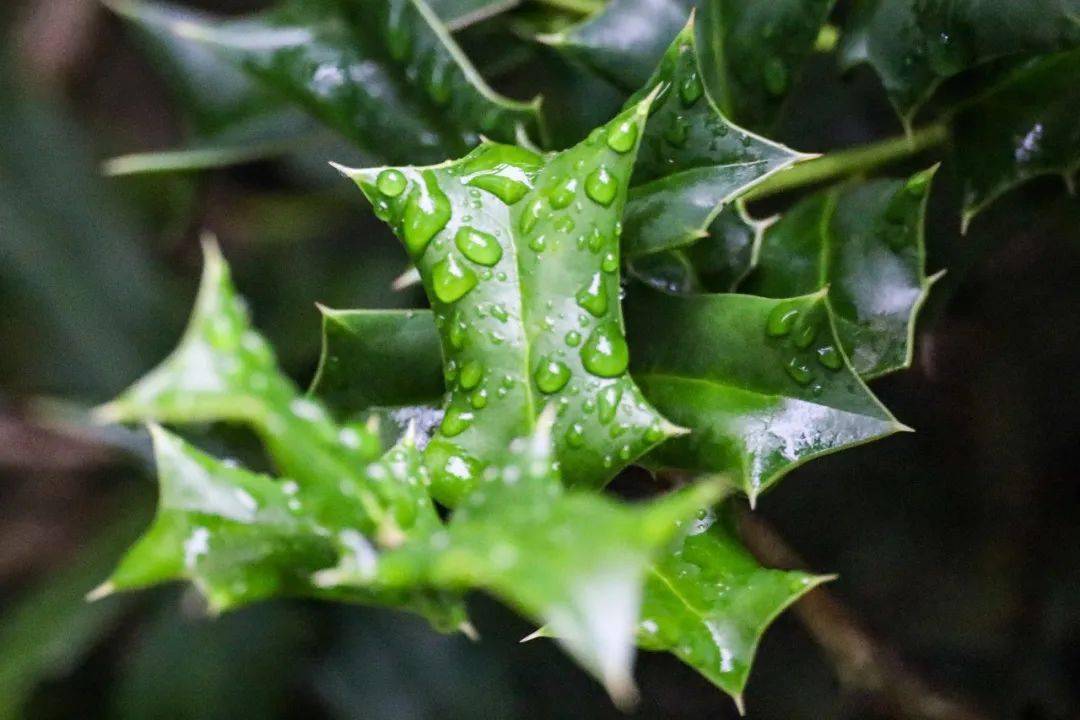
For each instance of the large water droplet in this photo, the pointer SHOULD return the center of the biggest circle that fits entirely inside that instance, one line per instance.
(594, 297)
(551, 375)
(622, 137)
(601, 186)
(471, 374)
(480, 247)
(456, 420)
(451, 280)
(605, 353)
(781, 320)
(426, 213)
(805, 333)
(391, 182)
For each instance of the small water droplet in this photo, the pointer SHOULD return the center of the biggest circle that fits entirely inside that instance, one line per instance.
(655, 433)
(456, 421)
(573, 338)
(601, 186)
(799, 371)
(575, 436)
(608, 402)
(594, 297)
(450, 280)
(781, 320)
(563, 194)
(499, 313)
(677, 130)
(551, 376)
(480, 247)
(830, 357)
(532, 214)
(690, 88)
(479, 399)
(391, 182)
(805, 333)
(622, 137)
(471, 374)
(610, 263)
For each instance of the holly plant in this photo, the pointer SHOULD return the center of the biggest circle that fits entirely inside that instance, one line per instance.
(599, 297)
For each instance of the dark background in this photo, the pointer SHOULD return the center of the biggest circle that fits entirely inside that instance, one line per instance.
(956, 546)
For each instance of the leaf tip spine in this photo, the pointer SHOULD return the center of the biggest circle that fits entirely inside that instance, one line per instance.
(102, 591)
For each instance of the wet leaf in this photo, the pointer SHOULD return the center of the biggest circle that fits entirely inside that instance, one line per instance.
(864, 242)
(752, 51)
(763, 384)
(693, 162)
(385, 75)
(1021, 128)
(708, 601)
(519, 256)
(571, 560)
(915, 45)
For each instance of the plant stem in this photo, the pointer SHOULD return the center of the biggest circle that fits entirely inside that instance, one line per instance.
(850, 162)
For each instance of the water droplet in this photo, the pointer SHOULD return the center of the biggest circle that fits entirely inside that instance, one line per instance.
(610, 263)
(426, 213)
(499, 313)
(563, 194)
(594, 297)
(456, 332)
(805, 333)
(565, 224)
(601, 186)
(830, 357)
(677, 130)
(605, 353)
(551, 376)
(391, 182)
(450, 280)
(573, 338)
(537, 243)
(781, 320)
(480, 247)
(479, 399)
(690, 88)
(799, 371)
(655, 433)
(608, 402)
(622, 137)
(471, 374)
(456, 421)
(575, 436)
(532, 214)
(775, 74)
(596, 240)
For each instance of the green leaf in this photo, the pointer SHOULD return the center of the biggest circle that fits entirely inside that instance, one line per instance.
(693, 162)
(1023, 127)
(386, 75)
(763, 384)
(242, 537)
(571, 560)
(915, 45)
(624, 41)
(519, 256)
(864, 242)
(751, 51)
(709, 602)
(398, 348)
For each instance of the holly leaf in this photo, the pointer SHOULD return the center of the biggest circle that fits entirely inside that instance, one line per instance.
(751, 51)
(763, 384)
(569, 559)
(709, 602)
(623, 42)
(241, 537)
(519, 257)
(864, 243)
(1021, 128)
(915, 45)
(693, 162)
(385, 75)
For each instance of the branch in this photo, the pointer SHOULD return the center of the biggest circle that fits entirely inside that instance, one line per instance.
(862, 663)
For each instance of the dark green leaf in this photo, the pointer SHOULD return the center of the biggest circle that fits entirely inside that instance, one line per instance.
(1023, 127)
(693, 161)
(751, 51)
(864, 242)
(709, 602)
(915, 45)
(625, 40)
(571, 560)
(519, 257)
(386, 75)
(763, 384)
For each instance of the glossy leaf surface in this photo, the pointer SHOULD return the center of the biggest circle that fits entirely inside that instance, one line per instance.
(570, 559)
(519, 256)
(385, 75)
(708, 601)
(693, 162)
(752, 50)
(1023, 127)
(864, 242)
(915, 45)
(762, 384)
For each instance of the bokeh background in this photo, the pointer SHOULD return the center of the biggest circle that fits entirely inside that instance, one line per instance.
(956, 546)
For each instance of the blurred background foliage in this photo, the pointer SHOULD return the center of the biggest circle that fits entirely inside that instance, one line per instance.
(956, 546)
